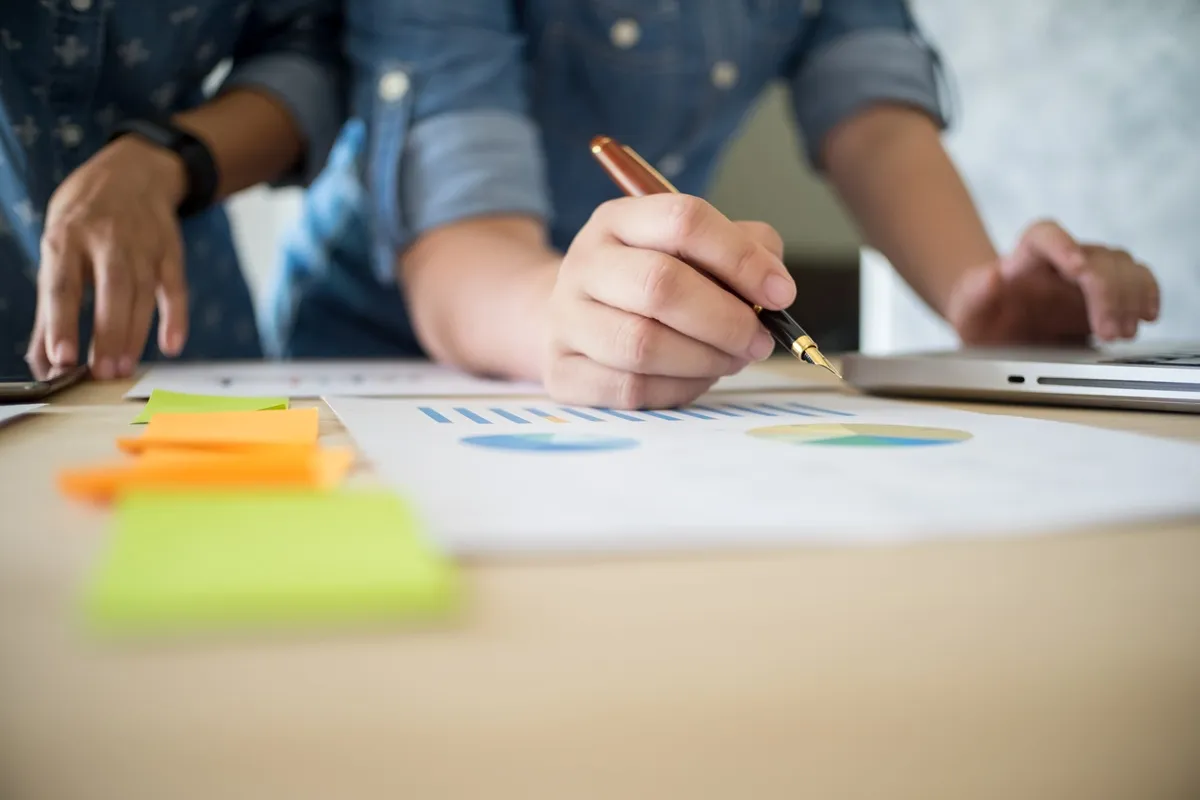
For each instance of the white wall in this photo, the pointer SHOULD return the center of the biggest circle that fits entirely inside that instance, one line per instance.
(1087, 111)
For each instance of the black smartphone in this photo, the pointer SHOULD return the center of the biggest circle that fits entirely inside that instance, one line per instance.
(25, 386)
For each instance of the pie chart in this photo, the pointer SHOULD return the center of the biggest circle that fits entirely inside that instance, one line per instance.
(551, 442)
(860, 435)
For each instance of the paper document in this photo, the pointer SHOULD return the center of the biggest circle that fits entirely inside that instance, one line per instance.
(402, 378)
(9, 413)
(734, 470)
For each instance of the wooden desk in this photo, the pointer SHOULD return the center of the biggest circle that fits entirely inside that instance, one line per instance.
(1058, 667)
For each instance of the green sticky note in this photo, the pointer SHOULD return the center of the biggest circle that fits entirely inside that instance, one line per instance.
(194, 560)
(164, 401)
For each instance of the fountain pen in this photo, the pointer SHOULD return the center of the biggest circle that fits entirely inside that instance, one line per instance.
(637, 179)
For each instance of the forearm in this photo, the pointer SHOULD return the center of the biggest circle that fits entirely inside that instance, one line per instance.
(252, 137)
(477, 291)
(889, 167)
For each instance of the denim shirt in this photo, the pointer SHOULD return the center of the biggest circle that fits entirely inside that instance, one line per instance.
(464, 108)
(71, 69)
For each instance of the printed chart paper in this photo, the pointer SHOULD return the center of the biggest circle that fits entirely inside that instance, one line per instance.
(392, 379)
(734, 470)
(9, 413)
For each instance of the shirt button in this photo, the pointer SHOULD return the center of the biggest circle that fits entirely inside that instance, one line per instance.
(724, 74)
(393, 86)
(671, 165)
(72, 135)
(625, 33)
(81, 5)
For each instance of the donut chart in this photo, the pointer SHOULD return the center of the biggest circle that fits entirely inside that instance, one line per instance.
(859, 435)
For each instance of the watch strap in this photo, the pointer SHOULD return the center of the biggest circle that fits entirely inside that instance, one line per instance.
(199, 165)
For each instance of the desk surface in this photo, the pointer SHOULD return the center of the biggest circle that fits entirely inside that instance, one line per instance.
(1065, 666)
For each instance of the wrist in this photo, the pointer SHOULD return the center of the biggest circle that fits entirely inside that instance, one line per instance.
(168, 173)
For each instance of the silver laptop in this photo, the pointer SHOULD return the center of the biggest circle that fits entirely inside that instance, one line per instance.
(1162, 377)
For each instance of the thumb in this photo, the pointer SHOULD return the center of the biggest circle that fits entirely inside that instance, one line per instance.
(974, 306)
(1046, 242)
(764, 234)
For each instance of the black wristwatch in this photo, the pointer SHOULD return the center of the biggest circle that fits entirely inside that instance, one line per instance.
(201, 169)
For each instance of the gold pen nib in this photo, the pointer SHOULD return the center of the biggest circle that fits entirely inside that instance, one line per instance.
(806, 350)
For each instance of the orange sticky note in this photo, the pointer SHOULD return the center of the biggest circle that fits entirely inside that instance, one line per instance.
(227, 430)
(166, 468)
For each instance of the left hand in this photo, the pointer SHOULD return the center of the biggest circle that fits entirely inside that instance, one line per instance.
(1053, 290)
(112, 224)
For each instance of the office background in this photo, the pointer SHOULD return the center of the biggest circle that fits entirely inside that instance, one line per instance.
(1087, 111)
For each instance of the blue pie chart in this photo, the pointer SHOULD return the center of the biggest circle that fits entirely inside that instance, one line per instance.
(551, 442)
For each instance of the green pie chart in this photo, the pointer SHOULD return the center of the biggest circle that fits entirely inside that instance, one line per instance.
(859, 435)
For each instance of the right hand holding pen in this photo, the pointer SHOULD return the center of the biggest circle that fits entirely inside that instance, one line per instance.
(112, 224)
(633, 324)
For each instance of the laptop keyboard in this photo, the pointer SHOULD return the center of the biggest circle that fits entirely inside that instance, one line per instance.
(1163, 360)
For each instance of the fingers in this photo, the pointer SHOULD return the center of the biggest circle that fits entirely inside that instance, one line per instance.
(60, 292)
(695, 232)
(764, 234)
(1119, 293)
(1047, 242)
(975, 307)
(172, 302)
(140, 318)
(657, 286)
(577, 380)
(1151, 299)
(633, 343)
(35, 354)
(114, 307)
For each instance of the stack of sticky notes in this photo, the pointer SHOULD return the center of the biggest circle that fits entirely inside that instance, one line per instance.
(215, 448)
(188, 561)
(228, 513)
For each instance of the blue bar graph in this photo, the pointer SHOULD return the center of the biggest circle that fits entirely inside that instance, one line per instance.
(574, 412)
(783, 410)
(620, 415)
(567, 414)
(796, 405)
(471, 415)
(723, 412)
(687, 412)
(511, 417)
(749, 410)
(433, 415)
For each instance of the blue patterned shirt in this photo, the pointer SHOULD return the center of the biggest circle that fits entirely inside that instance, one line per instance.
(464, 108)
(71, 69)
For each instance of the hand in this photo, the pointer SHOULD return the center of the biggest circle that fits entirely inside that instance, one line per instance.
(634, 323)
(1052, 290)
(112, 222)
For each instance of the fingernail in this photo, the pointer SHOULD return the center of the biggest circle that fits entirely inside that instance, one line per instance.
(104, 369)
(780, 291)
(64, 353)
(125, 367)
(762, 346)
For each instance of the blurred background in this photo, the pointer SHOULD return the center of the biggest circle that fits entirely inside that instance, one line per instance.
(1087, 111)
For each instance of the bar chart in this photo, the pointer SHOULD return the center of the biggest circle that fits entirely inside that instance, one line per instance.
(477, 415)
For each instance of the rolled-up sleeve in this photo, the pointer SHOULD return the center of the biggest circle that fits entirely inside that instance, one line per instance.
(862, 53)
(292, 51)
(442, 89)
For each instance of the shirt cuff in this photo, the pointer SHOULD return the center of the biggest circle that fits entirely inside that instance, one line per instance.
(310, 91)
(861, 70)
(465, 164)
